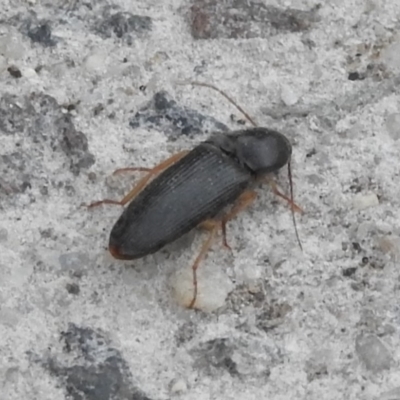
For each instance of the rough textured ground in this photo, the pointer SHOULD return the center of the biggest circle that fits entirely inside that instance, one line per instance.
(87, 87)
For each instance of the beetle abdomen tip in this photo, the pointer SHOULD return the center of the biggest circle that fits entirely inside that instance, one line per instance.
(115, 252)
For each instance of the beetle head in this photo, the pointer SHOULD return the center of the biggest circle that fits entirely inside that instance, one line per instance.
(261, 150)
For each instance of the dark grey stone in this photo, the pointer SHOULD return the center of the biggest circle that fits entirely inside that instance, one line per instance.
(217, 353)
(48, 133)
(165, 114)
(40, 32)
(90, 368)
(122, 24)
(238, 19)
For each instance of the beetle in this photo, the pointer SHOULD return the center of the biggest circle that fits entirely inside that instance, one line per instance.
(193, 188)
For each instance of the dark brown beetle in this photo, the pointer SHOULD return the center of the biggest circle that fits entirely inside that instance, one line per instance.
(193, 188)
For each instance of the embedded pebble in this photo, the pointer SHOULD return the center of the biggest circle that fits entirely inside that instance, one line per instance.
(364, 229)
(374, 355)
(393, 125)
(3, 63)
(158, 58)
(3, 235)
(9, 317)
(288, 96)
(73, 260)
(389, 245)
(255, 358)
(393, 394)
(362, 201)
(391, 56)
(11, 46)
(213, 286)
(248, 273)
(178, 386)
(317, 366)
(96, 62)
(247, 357)
(28, 72)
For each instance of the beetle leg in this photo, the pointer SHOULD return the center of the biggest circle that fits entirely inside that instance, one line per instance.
(244, 201)
(142, 182)
(153, 172)
(213, 225)
(224, 240)
(294, 207)
(132, 169)
(210, 224)
(206, 245)
(278, 193)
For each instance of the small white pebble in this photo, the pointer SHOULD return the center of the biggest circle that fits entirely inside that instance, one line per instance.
(3, 63)
(373, 354)
(156, 59)
(28, 73)
(390, 245)
(393, 394)
(288, 96)
(178, 386)
(363, 201)
(363, 229)
(96, 62)
(11, 46)
(248, 273)
(391, 55)
(213, 286)
(393, 125)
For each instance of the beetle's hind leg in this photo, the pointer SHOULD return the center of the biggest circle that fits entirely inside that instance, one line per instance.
(152, 172)
(213, 226)
(210, 224)
(244, 201)
(206, 246)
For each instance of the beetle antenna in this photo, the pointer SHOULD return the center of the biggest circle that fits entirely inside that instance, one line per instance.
(292, 204)
(209, 85)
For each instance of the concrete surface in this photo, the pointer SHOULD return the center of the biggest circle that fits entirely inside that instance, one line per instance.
(88, 87)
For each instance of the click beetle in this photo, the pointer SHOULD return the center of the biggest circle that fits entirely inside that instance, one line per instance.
(193, 188)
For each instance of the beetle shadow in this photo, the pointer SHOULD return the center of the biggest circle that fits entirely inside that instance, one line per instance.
(182, 245)
(148, 266)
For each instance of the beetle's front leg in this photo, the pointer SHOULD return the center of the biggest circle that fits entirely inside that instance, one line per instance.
(152, 172)
(294, 207)
(278, 193)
